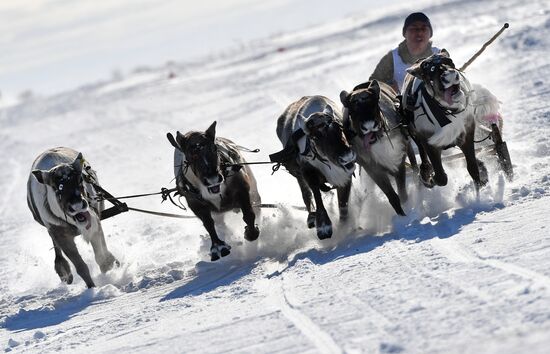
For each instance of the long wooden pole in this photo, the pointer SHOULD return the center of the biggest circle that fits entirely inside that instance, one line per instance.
(506, 25)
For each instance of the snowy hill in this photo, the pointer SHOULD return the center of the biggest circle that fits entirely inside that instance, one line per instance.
(457, 274)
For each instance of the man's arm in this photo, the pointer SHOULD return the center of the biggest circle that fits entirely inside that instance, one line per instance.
(384, 70)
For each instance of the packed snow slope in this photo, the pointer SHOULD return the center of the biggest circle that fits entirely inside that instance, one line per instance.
(459, 274)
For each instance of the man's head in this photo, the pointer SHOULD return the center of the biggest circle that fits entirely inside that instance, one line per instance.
(417, 31)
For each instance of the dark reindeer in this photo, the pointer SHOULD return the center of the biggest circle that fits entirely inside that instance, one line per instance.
(208, 176)
(373, 128)
(62, 198)
(311, 130)
(437, 102)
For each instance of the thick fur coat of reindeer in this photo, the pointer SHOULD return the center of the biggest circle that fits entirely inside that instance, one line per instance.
(313, 125)
(373, 125)
(442, 110)
(62, 199)
(208, 176)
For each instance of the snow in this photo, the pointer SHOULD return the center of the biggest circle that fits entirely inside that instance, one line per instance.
(458, 274)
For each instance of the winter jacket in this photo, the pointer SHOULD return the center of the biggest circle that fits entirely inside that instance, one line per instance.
(385, 70)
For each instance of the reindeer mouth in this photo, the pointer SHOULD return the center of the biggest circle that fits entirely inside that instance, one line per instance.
(214, 189)
(83, 218)
(451, 92)
(350, 166)
(369, 138)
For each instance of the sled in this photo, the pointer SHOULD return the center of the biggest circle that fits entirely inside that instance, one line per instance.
(498, 148)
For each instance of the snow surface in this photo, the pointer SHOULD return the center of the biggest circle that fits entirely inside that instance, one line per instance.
(459, 274)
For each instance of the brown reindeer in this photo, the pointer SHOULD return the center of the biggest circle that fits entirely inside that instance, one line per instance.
(312, 128)
(438, 101)
(208, 176)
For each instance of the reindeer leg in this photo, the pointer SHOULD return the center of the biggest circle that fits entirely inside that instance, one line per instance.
(66, 243)
(343, 198)
(426, 169)
(440, 177)
(306, 196)
(476, 168)
(218, 248)
(251, 231)
(61, 265)
(382, 180)
(103, 257)
(400, 180)
(322, 221)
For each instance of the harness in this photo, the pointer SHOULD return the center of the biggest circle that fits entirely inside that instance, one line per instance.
(186, 189)
(417, 97)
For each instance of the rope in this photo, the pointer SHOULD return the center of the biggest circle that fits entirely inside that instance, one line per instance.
(482, 140)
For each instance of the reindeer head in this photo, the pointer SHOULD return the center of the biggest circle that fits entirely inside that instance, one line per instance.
(327, 137)
(363, 111)
(201, 154)
(66, 182)
(442, 79)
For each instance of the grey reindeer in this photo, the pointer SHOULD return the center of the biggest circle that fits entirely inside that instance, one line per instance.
(62, 199)
(311, 129)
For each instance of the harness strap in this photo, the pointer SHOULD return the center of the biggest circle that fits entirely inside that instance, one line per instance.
(432, 108)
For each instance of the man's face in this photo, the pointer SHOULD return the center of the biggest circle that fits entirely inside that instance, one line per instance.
(417, 36)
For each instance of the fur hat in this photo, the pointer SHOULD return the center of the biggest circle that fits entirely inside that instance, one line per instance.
(417, 17)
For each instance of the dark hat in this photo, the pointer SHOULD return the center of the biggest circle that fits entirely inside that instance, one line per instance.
(417, 17)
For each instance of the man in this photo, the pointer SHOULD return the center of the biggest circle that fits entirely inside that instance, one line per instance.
(417, 31)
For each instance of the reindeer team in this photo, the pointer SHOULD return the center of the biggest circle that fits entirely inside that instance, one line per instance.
(321, 144)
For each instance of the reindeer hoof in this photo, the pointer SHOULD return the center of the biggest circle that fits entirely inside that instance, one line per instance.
(251, 233)
(108, 264)
(66, 278)
(324, 231)
(311, 220)
(426, 175)
(483, 174)
(218, 251)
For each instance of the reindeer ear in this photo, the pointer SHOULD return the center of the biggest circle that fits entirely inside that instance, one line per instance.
(344, 98)
(211, 131)
(415, 70)
(172, 141)
(328, 110)
(180, 141)
(375, 87)
(444, 52)
(77, 163)
(42, 177)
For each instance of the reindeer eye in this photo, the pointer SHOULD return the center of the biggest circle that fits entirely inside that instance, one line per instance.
(60, 187)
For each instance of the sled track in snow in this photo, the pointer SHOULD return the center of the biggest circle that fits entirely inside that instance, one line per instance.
(459, 253)
(277, 297)
(322, 340)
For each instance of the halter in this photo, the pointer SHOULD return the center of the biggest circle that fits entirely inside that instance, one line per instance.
(418, 96)
(186, 188)
(313, 127)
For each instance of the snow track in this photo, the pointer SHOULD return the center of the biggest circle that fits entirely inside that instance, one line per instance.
(459, 253)
(278, 296)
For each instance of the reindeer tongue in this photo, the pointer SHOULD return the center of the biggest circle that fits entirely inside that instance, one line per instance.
(449, 96)
(369, 139)
(84, 217)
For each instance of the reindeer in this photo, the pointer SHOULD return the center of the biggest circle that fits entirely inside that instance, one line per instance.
(311, 129)
(208, 175)
(438, 103)
(373, 127)
(62, 198)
